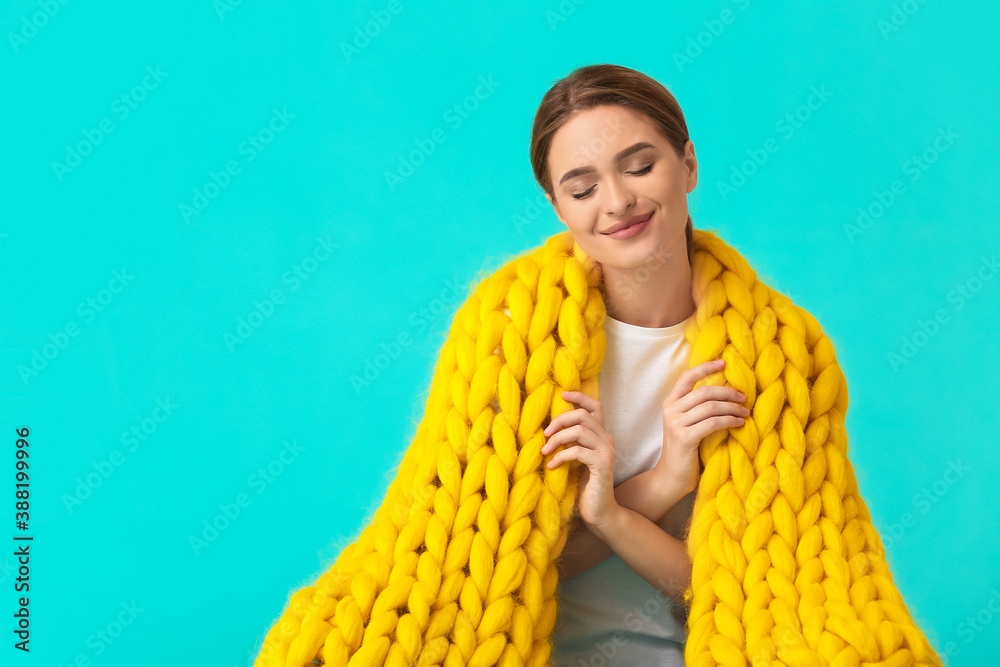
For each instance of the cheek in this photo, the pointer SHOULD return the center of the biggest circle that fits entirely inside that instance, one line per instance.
(667, 190)
(581, 220)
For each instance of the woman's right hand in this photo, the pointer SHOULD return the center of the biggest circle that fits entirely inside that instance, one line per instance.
(689, 416)
(592, 446)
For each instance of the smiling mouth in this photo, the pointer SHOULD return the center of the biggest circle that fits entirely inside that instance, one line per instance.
(628, 223)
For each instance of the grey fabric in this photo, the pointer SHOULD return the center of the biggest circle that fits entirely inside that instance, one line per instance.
(609, 615)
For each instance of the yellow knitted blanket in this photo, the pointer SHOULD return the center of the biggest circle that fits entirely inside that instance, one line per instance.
(458, 565)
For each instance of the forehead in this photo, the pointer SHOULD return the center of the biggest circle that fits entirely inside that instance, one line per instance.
(593, 134)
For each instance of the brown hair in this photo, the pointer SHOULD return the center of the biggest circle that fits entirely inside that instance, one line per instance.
(594, 85)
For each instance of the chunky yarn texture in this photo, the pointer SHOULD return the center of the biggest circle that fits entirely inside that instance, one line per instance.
(458, 566)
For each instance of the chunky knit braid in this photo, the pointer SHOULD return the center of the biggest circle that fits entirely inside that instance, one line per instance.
(458, 564)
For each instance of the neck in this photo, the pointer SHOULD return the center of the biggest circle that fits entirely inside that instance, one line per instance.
(655, 294)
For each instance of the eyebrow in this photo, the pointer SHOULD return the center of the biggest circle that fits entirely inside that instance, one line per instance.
(622, 154)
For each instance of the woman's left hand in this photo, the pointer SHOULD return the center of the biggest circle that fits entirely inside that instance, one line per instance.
(594, 447)
(689, 415)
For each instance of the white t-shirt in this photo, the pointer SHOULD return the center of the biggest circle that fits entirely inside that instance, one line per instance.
(608, 614)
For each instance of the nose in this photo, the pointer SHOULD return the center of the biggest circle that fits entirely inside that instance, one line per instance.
(617, 197)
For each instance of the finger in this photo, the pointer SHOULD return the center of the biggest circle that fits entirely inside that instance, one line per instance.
(702, 429)
(587, 402)
(588, 457)
(568, 454)
(709, 409)
(707, 393)
(578, 416)
(576, 433)
(688, 378)
(564, 419)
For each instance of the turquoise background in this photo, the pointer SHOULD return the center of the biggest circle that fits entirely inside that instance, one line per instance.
(330, 124)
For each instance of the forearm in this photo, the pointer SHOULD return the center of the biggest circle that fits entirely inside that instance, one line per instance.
(658, 557)
(642, 493)
(648, 494)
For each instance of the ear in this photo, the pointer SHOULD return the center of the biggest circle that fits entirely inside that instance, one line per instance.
(555, 207)
(691, 162)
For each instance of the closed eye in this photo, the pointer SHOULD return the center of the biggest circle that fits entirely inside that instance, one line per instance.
(639, 172)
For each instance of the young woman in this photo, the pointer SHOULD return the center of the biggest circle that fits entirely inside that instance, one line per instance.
(611, 150)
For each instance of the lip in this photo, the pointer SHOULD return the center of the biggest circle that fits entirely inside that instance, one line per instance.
(635, 219)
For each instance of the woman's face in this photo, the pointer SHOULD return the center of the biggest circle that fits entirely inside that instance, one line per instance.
(610, 165)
